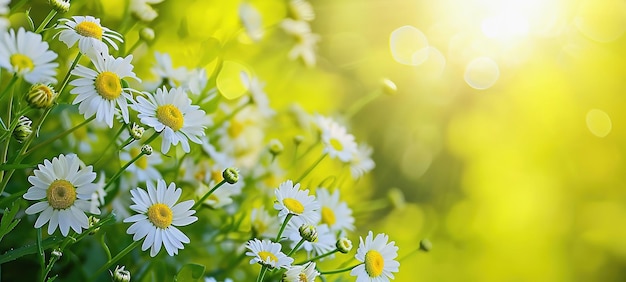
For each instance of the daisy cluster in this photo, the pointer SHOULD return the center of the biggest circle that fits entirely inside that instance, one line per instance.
(117, 152)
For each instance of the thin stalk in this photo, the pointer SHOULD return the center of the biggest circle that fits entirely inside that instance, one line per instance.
(319, 257)
(60, 135)
(110, 144)
(358, 105)
(198, 203)
(69, 72)
(41, 254)
(339, 270)
(261, 274)
(282, 227)
(122, 169)
(47, 20)
(117, 257)
(296, 247)
(311, 168)
(9, 86)
(226, 118)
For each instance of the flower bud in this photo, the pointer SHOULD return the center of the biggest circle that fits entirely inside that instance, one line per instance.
(23, 129)
(146, 149)
(137, 131)
(308, 232)
(93, 221)
(146, 34)
(231, 175)
(275, 147)
(389, 87)
(298, 139)
(425, 245)
(57, 253)
(344, 245)
(61, 6)
(120, 275)
(41, 96)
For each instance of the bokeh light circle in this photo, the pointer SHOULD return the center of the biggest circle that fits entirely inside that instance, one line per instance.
(408, 45)
(599, 123)
(482, 73)
(602, 21)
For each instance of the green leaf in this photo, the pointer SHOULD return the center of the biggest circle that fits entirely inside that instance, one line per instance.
(7, 223)
(11, 255)
(15, 166)
(190, 272)
(30, 20)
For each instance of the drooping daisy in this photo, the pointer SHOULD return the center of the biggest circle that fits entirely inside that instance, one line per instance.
(101, 90)
(158, 217)
(306, 41)
(301, 10)
(27, 55)
(338, 143)
(251, 20)
(172, 113)
(325, 242)
(334, 213)
(142, 10)
(89, 34)
(143, 169)
(267, 253)
(301, 273)
(291, 200)
(164, 69)
(263, 224)
(65, 192)
(258, 96)
(377, 257)
(361, 162)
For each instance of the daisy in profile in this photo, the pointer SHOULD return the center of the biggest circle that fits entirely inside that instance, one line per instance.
(251, 20)
(306, 41)
(338, 143)
(172, 113)
(263, 224)
(267, 253)
(89, 34)
(361, 162)
(64, 193)
(158, 217)
(100, 91)
(291, 200)
(301, 10)
(27, 55)
(167, 74)
(301, 273)
(377, 257)
(334, 213)
(257, 94)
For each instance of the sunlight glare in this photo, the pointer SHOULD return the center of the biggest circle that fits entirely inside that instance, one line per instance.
(482, 73)
(408, 45)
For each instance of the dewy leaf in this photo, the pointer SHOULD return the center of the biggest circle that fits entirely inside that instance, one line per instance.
(190, 272)
(7, 223)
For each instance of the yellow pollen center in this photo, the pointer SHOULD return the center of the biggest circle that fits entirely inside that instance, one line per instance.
(264, 255)
(235, 128)
(217, 176)
(374, 263)
(21, 62)
(108, 85)
(170, 116)
(328, 216)
(61, 194)
(214, 198)
(160, 215)
(336, 144)
(293, 205)
(142, 162)
(89, 29)
(302, 278)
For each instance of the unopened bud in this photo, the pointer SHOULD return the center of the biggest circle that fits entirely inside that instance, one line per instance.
(41, 96)
(425, 245)
(396, 197)
(344, 245)
(23, 129)
(308, 232)
(389, 87)
(120, 275)
(275, 147)
(92, 222)
(61, 6)
(298, 139)
(146, 34)
(231, 175)
(57, 253)
(137, 131)
(146, 149)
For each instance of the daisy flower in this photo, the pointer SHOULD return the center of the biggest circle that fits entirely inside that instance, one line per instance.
(172, 113)
(101, 90)
(361, 162)
(263, 224)
(338, 143)
(301, 10)
(301, 273)
(164, 69)
(217, 199)
(65, 192)
(306, 41)
(27, 55)
(291, 200)
(158, 217)
(258, 96)
(251, 20)
(377, 257)
(267, 253)
(334, 213)
(89, 34)
(142, 10)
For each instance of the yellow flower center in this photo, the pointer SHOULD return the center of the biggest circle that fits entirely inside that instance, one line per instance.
(374, 263)
(21, 62)
(108, 85)
(328, 216)
(293, 205)
(302, 278)
(142, 162)
(217, 176)
(214, 198)
(336, 144)
(264, 255)
(160, 215)
(259, 226)
(170, 116)
(235, 128)
(61, 194)
(89, 29)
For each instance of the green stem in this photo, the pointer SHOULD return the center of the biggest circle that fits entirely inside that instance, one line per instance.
(318, 257)
(311, 168)
(198, 203)
(60, 135)
(117, 257)
(45, 22)
(9, 86)
(358, 105)
(227, 118)
(69, 73)
(41, 254)
(5, 150)
(122, 169)
(110, 144)
(154, 136)
(282, 227)
(261, 274)
(339, 270)
(132, 48)
(296, 247)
